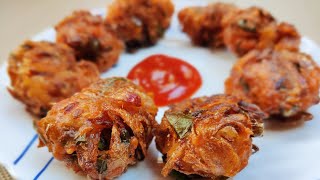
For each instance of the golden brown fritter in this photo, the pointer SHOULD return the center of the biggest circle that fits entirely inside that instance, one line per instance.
(241, 30)
(247, 29)
(280, 82)
(139, 23)
(204, 24)
(43, 73)
(255, 28)
(87, 35)
(101, 130)
(208, 136)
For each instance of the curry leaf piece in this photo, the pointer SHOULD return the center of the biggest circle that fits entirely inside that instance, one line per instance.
(124, 135)
(180, 122)
(101, 165)
(101, 145)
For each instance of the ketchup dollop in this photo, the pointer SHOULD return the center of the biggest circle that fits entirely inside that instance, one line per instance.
(169, 79)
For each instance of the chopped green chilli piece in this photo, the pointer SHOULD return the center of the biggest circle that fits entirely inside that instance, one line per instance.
(101, 165)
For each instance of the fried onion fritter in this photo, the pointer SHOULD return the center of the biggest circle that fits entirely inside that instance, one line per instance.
(247, 29)
(101, 130)
(204, 24)
(87, 35)
(139, 23)
(240, 30)
(281, 82)
(208, 136)
(255, 28)
(43, 73)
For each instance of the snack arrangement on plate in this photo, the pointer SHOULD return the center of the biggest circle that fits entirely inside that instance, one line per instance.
(100, 127)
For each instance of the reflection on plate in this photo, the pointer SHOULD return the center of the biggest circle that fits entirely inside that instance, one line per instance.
(287, 151)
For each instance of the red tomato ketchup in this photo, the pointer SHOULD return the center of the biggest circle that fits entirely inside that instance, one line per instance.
(169, 79)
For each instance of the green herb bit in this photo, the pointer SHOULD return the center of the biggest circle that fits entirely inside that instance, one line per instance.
(180, 122)
(125, 135)
(81, 139)
(101, 146)
(102, 165)
(105, 137)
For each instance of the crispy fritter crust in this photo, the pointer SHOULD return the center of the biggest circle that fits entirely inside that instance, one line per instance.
(139, 23)
(101, 130)
(204, 24)
(255, 28)
(87, 35)
(280, 82)
(287, 37)
(43, 73)
(218, 142)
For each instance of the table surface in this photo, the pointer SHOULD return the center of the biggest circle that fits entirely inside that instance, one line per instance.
(21, 19)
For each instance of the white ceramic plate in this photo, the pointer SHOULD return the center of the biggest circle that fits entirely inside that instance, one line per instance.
(286, 152)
